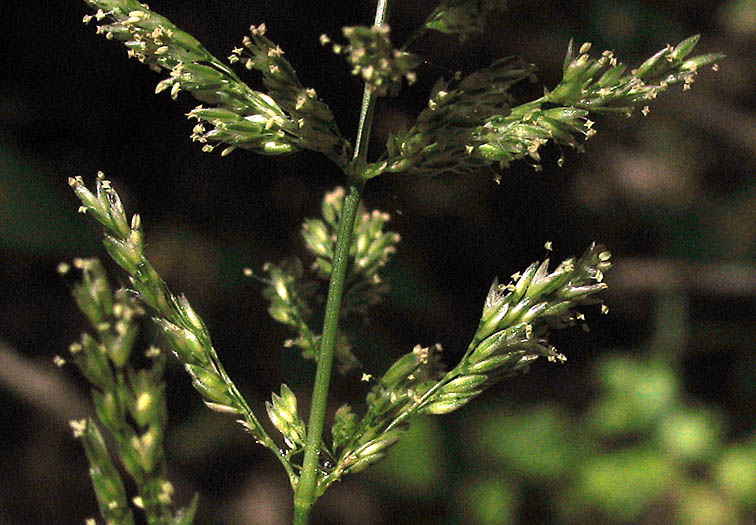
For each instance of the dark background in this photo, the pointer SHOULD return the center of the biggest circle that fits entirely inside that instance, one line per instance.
(671, 194)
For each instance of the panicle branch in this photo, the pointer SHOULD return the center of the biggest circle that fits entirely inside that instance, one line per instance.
(513, 332)
(589, 85)
(471, 126)
(181, 325)
(294, 294)
(600, 84)
(129, 403)
(314, 125)
(288, 119)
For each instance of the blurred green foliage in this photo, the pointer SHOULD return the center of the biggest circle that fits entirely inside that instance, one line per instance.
(641, 451)
(35, 216)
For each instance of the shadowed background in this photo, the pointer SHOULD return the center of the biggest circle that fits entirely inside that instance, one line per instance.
(651, 418)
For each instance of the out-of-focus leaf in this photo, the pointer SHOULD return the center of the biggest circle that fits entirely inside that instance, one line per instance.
(488, 501)
(417, 462)
(538, 443)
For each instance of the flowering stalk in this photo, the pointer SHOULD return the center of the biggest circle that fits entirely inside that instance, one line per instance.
(470, 122)
(306, 492)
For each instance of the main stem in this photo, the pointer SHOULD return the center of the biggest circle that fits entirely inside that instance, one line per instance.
(306, 492)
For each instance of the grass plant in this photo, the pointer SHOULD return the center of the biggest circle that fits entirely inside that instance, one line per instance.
(471, 123)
